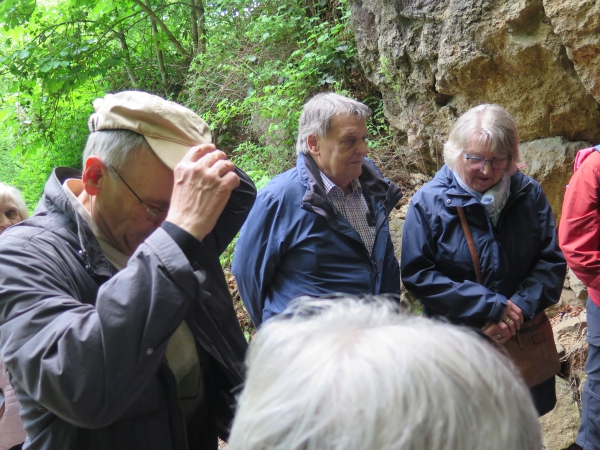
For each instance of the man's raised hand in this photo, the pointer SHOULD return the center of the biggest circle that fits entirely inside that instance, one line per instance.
(203, 182)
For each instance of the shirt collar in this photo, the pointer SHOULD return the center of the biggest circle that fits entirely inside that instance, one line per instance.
(330, 185)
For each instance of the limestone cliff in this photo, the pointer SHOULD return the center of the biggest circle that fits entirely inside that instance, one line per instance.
(434, 59)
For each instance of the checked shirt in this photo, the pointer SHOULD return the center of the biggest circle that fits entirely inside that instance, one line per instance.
(353, 207)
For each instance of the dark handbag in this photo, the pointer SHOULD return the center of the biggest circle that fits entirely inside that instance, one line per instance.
(532, 349)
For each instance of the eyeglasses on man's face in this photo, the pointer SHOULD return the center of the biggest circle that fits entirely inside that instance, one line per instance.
(151, 211)
(478, 163)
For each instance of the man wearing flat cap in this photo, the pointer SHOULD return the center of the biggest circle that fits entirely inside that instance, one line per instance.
(116, 325)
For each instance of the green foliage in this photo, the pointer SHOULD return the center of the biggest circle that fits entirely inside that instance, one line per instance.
(16, 12)
(37, 163)
(59, 55)
(66, 43)
(8, 164)
(246, 66)
(253, 80)
(226, 257)
(32, 146)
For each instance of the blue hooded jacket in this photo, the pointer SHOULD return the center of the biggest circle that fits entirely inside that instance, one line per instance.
(296, 243)
(520, 258)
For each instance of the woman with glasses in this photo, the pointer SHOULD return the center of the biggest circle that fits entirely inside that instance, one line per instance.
(521, 266)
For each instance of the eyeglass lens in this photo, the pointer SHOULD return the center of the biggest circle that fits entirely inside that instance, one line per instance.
(153, 212)
(474, 162)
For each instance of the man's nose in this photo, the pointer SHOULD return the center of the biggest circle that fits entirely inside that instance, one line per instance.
(363, 148)
(159, 218)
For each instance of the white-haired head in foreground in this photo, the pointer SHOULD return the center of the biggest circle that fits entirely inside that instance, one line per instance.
(354, 374)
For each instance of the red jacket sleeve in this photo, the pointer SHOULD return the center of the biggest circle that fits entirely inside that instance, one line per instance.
(579, 230)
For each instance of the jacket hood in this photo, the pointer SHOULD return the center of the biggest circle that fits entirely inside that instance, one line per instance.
(582, 156)
(54, 196)
(55, 199)
(380, 188)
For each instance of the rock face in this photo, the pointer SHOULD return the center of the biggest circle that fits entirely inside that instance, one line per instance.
(577, 286)
(550, 161)
(577, 23)
(396, 228)
(434, 59)
(560, 426)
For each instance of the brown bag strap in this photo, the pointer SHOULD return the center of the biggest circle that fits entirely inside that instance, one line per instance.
(472, 249)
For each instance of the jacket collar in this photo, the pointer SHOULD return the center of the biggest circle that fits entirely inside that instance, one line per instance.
(457, 196)
(371, 180)
(56, 201)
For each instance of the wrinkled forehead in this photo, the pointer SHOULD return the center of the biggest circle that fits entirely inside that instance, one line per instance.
(6, 201)
(346, 121)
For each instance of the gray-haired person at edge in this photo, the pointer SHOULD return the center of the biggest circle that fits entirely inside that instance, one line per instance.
(322, 226)
(513, 230)
(343, 374)
(117, 327)
(12, 434)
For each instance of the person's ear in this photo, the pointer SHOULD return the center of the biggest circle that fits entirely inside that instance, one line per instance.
(92, 175)
(313, 144)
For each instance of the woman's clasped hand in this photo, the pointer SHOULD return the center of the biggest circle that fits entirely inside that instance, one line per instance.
(507, 327)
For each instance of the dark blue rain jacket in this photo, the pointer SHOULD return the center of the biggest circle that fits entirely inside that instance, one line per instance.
(296, 243)
(520, 258)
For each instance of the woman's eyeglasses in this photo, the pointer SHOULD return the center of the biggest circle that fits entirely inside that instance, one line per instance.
(477, 163)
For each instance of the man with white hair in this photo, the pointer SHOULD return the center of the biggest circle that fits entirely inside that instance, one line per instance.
(346, 374)
(116, 323)
(322, 226)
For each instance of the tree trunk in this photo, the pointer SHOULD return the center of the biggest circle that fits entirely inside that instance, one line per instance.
(127, 57)
(201, 26)
(159, 53)
(194, 26)
(180, 48)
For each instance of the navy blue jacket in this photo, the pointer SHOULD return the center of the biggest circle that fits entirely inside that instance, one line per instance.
(295, 243)
(520, 258)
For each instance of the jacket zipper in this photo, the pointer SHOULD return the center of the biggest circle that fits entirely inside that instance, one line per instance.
(516, 196)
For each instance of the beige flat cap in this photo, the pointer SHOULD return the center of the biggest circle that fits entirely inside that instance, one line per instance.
(170, 128)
